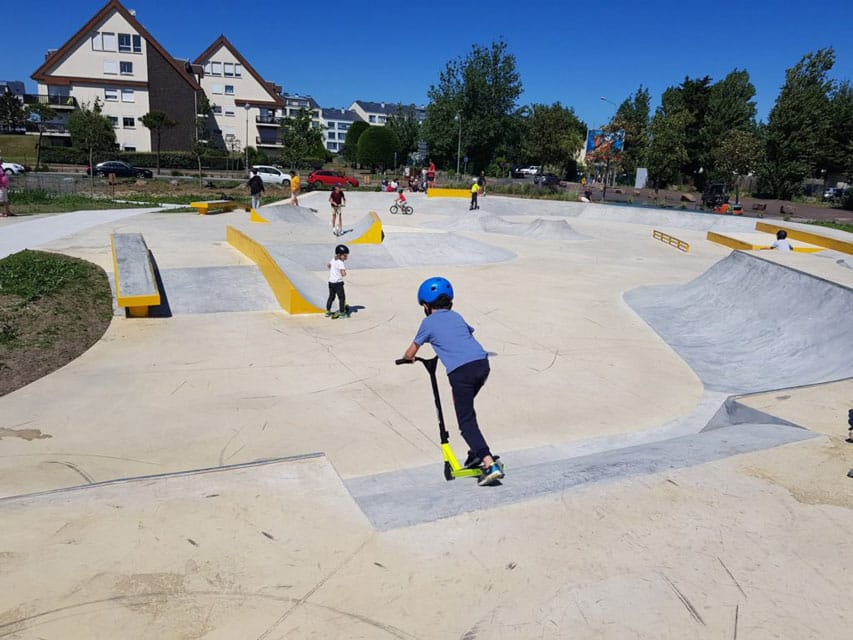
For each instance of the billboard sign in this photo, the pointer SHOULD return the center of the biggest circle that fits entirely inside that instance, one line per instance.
(600, 141)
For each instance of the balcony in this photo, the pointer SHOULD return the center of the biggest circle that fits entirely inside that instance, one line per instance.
(269, 142)
(58, 129)
(57, 102)
(271, 121)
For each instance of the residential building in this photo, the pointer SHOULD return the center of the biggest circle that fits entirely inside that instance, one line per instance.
(15, 87)
(335, 123)
(247, 109)
(377, 113)
(295, 102)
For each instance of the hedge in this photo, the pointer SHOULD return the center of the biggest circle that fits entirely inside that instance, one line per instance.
(168, 159)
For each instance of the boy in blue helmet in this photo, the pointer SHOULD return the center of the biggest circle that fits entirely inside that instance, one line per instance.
(467, 365)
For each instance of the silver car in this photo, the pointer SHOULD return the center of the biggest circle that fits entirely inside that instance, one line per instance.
(13, 168)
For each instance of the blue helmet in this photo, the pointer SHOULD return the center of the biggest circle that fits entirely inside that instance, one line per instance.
(432, 288)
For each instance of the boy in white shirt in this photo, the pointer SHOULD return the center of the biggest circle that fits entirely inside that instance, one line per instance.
(782, 243)
(337, 273)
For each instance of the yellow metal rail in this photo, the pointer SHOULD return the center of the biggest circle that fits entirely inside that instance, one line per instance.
(671, 240)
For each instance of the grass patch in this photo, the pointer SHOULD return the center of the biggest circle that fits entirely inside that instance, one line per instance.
(52, 309)
(844, 226)
(34, 201)
(20, 149)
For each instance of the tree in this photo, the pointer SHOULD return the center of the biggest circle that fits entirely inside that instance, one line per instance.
(838, 157)
(404, 123)
(553, 135)
(11, 112)
(483, 90)
(667, 153)
(40, 113)
(91, 132)
(376, 147)
(798, 126)
(350, 150)
(300, 138)
(156, 121)
(737, 154)
(730, 108)
(632, 116)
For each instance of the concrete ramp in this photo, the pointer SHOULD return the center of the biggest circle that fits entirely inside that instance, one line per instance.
(750, 324)
(540, 228)
(289, 214)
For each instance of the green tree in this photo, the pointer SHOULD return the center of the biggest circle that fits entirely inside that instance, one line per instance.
(736, 155)
(40, 114)
(667, 152)
(11, 112)
(376, 147)
(730, 108)
(350, 150)
(91, 132)
(483, 89)
(404, 123)
(156, 121)
(838, 158)
(553, 135)
(300, 138)
(632, 116)
(798, 126)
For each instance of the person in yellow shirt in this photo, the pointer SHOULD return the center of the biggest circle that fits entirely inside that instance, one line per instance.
(294, 189)
(475, 191)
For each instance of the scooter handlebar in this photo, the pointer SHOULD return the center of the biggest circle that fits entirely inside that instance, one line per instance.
(403, 361)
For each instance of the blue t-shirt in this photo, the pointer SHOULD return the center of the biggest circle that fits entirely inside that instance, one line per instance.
(450, 337)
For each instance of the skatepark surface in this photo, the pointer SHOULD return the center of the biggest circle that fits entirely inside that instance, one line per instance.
(672, 423)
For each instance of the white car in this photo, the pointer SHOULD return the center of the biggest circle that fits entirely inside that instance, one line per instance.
(13, 168)
(272, 175)
(531, 170)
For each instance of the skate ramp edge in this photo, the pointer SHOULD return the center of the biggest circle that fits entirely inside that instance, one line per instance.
(368, 230)
(448, 193)
(836, 244)
(285, 280)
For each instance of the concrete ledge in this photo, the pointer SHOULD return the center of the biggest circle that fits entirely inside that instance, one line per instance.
(805, 236)
(204, 206)
(435, 192)
(368, 230)
(747, 245)
(136, 284)
(285, 286)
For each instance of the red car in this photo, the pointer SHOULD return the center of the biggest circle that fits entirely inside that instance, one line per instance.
(320, 179)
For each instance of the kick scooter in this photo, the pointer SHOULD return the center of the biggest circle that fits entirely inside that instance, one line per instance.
(452, 468)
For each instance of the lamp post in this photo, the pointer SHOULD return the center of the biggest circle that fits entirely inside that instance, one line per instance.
(247, 107)
(459, 144)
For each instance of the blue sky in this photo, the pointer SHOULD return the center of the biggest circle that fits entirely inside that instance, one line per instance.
(567, 52)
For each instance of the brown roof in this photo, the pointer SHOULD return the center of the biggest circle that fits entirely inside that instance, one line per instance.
(42, 74)
(269, 87)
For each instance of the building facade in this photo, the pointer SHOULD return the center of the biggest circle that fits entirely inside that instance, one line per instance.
(114, 61)
(335, 123)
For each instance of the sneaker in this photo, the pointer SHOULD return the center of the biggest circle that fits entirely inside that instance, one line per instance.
(328, 314)
(491, 475)
(472, 461)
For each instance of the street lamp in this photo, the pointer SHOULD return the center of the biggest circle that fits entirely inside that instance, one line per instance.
(603, 99)
(247, 107)
(459, 145)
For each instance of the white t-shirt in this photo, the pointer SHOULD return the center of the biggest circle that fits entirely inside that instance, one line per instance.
(782, 245)
(335, 270)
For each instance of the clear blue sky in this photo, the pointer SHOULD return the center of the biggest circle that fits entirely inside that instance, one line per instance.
(568, 52)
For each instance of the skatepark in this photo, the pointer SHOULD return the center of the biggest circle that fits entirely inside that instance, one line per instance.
(672, 424)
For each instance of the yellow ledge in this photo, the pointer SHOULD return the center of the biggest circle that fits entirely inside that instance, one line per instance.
(214, 205)
(448, 193)
(805, 236)
(137, 306)
(254, 216)
(287, 295)
(734, 243)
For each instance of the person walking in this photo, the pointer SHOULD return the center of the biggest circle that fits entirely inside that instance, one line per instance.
(4, 192)
(256, 188)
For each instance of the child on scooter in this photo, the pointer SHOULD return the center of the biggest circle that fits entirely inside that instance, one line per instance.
(467, 366)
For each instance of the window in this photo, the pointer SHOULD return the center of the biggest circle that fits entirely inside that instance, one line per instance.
(207, 68)
(216, 68)
(110, 67)
(229, 89)
(113, 121)
(124, 42)
(130, 148)
(343, 126)
(127, 95)
(126, 68)
(331, 135)
(229, 111)
(217, 88)
(103, 41)
(238, 71)
(228, 69)
(111, 95)
(137, 43)
(128, 123)
(217, 109)
(373, 118)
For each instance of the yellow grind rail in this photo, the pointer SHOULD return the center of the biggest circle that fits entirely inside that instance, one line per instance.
(671, 240)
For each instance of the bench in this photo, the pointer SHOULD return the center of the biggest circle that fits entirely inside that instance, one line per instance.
(759, 206)
(203, 206)
(136, 284)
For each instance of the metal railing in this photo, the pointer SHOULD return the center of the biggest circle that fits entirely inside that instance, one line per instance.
(68, 102)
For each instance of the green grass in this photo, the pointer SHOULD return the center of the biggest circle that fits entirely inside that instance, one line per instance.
(31, 275)
(33, 201)
(20, 149)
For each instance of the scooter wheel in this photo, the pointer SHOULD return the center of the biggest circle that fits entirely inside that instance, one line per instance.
(448, 472)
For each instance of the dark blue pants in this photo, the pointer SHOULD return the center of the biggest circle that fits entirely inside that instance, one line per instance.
(466, 382)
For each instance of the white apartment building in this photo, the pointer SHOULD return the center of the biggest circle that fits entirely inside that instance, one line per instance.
(335, 123)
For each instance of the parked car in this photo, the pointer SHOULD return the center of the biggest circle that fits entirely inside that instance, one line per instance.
(532, 170)
(834, 192)
(13, 168)
(321, 178)
(272, 175)
(120, 169)
(546, 180)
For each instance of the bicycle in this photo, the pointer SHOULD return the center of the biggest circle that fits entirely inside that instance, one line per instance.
(400, 206)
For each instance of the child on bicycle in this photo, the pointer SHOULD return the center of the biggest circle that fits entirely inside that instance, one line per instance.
(467, 366)
(337, 199)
